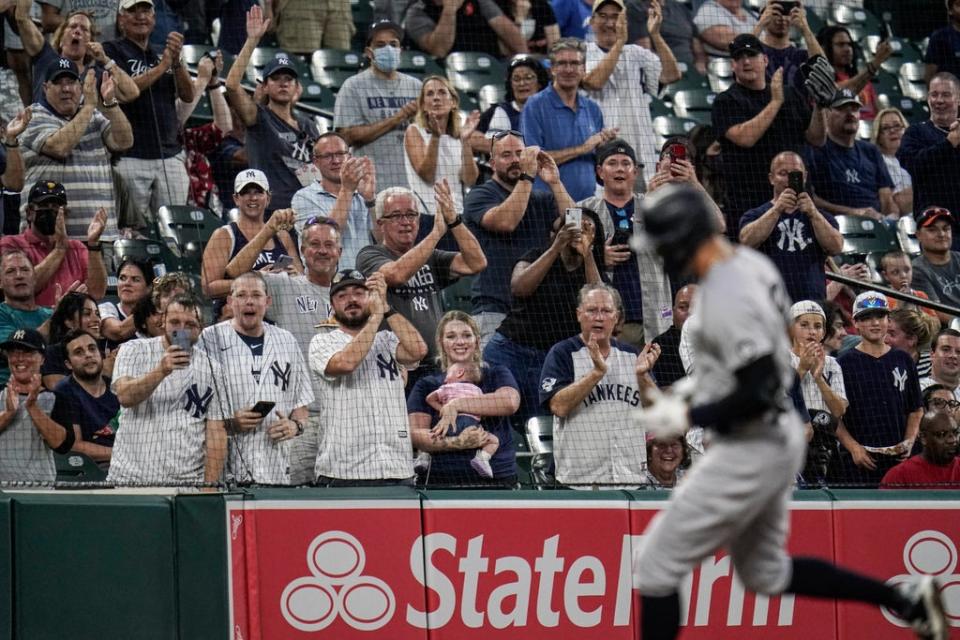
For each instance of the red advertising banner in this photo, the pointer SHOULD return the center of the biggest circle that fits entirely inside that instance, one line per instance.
(558, 568)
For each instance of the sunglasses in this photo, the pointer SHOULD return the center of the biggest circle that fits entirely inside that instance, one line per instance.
(500, 135)
(314, 220)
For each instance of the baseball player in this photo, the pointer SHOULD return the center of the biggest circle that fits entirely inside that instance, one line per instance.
(171, 418)
(738, 495)
(268, 388)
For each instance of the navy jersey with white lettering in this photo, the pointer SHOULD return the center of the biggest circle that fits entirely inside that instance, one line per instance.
(882, 392)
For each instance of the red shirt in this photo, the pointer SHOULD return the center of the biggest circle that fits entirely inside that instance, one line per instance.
(72, 268)
(917, 473)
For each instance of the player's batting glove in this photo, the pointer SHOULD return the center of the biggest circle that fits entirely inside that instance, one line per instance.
(667, 417)
(819, 77)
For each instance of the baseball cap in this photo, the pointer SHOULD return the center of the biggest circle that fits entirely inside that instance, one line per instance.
(869, 302)
(380, 25)
(804, 307)
(279, 62)
(931, 214)
(745, 43)
(29, 339)
(599, 3)
(614, 147)
(62, 67)
(346, 278)
(46, 191)
(250, 176)
(126, 5)
(844, 97)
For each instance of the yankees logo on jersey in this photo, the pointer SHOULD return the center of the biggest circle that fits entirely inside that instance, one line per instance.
(281, 374)
(195, 402)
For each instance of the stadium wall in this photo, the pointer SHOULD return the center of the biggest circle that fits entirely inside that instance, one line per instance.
(267, 564)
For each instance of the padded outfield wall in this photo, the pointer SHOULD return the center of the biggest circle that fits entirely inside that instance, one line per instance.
(345, 564)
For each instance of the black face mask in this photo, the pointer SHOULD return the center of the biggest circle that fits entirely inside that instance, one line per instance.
(45, 221)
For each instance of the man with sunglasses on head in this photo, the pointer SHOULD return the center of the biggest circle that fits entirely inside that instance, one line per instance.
(345, 193)
(510, 218)
(944, 363)
(936, 271)
(58, 260)
(937, 466)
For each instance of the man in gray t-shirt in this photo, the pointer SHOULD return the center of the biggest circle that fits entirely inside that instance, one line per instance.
(374, 106)
(936, 271)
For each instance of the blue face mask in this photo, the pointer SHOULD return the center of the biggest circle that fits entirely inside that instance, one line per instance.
(387, 58)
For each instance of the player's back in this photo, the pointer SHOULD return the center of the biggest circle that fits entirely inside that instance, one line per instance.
(742, 306)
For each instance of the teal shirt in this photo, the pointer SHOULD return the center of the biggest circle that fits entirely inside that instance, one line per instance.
(12, 319)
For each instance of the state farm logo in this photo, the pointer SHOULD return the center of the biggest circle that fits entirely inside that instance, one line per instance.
(337, 588)
(931, 553)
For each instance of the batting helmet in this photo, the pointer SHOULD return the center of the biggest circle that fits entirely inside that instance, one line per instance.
(677, 220)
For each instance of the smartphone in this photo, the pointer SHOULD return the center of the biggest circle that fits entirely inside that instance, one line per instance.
(180, 338)
(283, 262)
(263, 407)
(885, 32)
(677, 152)
(621, 236)
(786, 6)
(795, 181)
(574, 217)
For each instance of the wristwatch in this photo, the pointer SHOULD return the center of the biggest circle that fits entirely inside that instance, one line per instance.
(456, 222)
(527, 177)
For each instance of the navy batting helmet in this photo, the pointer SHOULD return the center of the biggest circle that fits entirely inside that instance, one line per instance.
(677, 220)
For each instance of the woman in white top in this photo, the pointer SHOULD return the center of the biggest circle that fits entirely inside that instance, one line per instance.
(888, 129)
(821, 379)
(134, 279)
(434, 144)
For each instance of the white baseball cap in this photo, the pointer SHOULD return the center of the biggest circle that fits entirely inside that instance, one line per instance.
(868, 302)
(126, 5)
(804, 307)
(250, 176)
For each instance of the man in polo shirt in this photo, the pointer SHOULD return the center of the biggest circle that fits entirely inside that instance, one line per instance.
(849, 176)
(28, 435)
(936, 271)
(345, 193)
(944, 362)
(883, 417)
(509, 218)
(75, 142)
(374, 106)
(792, 231)
(279, 140)
(566, 124)
(153, 170)
(937, 466)
(755, 120)
(59, 261)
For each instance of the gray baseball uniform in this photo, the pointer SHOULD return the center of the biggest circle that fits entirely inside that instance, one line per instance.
(737, 496)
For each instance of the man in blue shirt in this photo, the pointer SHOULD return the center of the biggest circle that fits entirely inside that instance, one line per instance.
(566, 124)
(849, 176)
(929, 149)
(792, 232)
(943, 49)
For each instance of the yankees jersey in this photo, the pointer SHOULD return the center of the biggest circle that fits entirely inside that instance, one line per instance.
(279, 375)
(363, 415)
(162, 439)
(812, 396)
(742, 315)
(298, 306)
(24, 456)
(882, 392)
(599, 442)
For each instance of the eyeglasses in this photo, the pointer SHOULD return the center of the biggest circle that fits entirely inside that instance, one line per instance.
(407, 216)
(335, 155)
(314, 220)
(500, 135)
(518, 79)
(940, 403)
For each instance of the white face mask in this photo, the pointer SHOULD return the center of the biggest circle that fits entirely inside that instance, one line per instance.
(387, 58)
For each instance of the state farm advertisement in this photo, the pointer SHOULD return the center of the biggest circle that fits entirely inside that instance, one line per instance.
(458, 569)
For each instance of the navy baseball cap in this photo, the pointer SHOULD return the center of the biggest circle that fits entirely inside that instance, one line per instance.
(745, 43)
(347, 278)
(279, 62)
(844, 97)
(380, 25)
(615, 147)
(47, 191)
(26, 339)
(62, 67)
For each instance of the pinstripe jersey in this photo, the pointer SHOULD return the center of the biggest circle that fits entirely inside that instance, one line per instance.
(283, 379)
(363, 415)
(161, 440)
(23, 453)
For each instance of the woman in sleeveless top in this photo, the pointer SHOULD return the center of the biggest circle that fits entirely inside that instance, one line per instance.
(231, 245)
(435, 144)
(133, 282)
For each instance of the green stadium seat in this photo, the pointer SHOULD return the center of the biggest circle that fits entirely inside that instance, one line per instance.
(469, 71)
(865, 129)
(670, 125)
(318, 96)
(720, 74)
(907, 235)
(691, 79)
(863, 238)
(903, 52)
(659, 108)
(695, 104)
(539, 432)
(186, 230)
(419, 64)
(457, 296)
(911, 80)
(331, 67)
(857, 18)
(490, 95)
(77, 467)
(143, 250)
(202, 113)
(192, 53)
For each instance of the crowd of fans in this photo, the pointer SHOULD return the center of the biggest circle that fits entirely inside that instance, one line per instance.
(328, 354)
